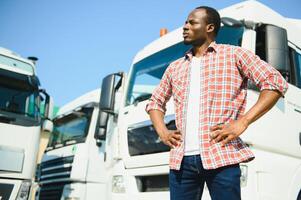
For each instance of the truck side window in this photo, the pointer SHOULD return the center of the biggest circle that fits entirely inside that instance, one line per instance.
(260, 43)
(298, 69)
(295, 67)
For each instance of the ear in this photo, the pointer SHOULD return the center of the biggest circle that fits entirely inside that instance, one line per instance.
(210, 28)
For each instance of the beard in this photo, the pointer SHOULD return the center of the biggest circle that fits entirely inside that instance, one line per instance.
(188, 42)
(196, 42)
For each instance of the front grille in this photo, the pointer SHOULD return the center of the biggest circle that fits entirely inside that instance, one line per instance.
(156, 183)
(58, 168)
(51, 191)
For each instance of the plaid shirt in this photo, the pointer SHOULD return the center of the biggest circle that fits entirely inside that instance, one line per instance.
(225, 72)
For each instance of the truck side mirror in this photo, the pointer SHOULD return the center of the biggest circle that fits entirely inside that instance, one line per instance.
(106, 103)
(102, 126)
(277, 52)
(47, 125)
(107, 95)
(48, 106)
(108, 90)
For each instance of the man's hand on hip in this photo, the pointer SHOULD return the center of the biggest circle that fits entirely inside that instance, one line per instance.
(224, 133)
(172, 138)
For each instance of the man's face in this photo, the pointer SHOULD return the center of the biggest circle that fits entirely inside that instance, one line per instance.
(195, 28)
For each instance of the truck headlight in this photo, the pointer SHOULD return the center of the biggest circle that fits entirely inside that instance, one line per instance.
(244, 175)
(24, 190)
(118, 185)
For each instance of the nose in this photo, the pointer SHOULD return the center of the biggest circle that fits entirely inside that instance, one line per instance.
(185, 27)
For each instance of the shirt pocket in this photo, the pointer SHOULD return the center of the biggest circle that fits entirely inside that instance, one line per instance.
(177, 89)
(178, 82)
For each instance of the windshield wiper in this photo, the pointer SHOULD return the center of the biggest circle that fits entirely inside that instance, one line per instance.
(70, 141)
(49, 148)
(6, 119)
(15, 111)
(74, 140)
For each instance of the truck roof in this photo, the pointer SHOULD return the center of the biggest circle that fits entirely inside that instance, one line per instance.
(250, 10)
(18, 64)
(90, 97)
(296, 22)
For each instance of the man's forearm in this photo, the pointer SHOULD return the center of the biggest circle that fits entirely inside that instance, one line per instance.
(157, 118)
(267, 99)
(172, 138)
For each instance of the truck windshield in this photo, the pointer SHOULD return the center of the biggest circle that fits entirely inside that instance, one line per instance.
(71, 128)
(19, 102)
(146, 74)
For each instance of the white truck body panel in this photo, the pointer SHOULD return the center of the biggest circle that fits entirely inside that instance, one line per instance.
(19, 141)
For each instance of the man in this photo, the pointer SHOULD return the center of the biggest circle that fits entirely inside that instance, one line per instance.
(209, 86)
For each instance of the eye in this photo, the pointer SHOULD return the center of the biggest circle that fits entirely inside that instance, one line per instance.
(192, 22)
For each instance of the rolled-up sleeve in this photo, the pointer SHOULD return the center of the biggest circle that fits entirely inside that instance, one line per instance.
(261, 73)
(161, 94)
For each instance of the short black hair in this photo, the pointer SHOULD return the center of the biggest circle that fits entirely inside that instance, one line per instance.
(213, 17)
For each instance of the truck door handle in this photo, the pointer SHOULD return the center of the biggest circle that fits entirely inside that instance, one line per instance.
(300, 138)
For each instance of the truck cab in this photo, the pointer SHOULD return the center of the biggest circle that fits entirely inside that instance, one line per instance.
(142, 168)
(73, 165)
(20, 124)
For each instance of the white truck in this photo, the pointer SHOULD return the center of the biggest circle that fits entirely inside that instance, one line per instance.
(122, 157)
(142, 172)
(20, 124)
(73, 160)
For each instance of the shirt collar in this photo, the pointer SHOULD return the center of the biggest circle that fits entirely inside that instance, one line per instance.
(211, 48)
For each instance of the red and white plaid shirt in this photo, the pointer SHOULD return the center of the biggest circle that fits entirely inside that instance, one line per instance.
(225, 71)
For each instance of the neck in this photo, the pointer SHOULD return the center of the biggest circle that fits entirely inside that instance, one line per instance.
(199, 50)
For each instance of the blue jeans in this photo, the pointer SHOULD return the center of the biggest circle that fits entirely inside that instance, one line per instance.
(188, 182)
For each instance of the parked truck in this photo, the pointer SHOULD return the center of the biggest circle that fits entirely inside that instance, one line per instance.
(142, 172)
(20, 124)
(123, 155)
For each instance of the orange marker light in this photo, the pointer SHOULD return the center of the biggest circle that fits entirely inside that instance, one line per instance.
(163, 31)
